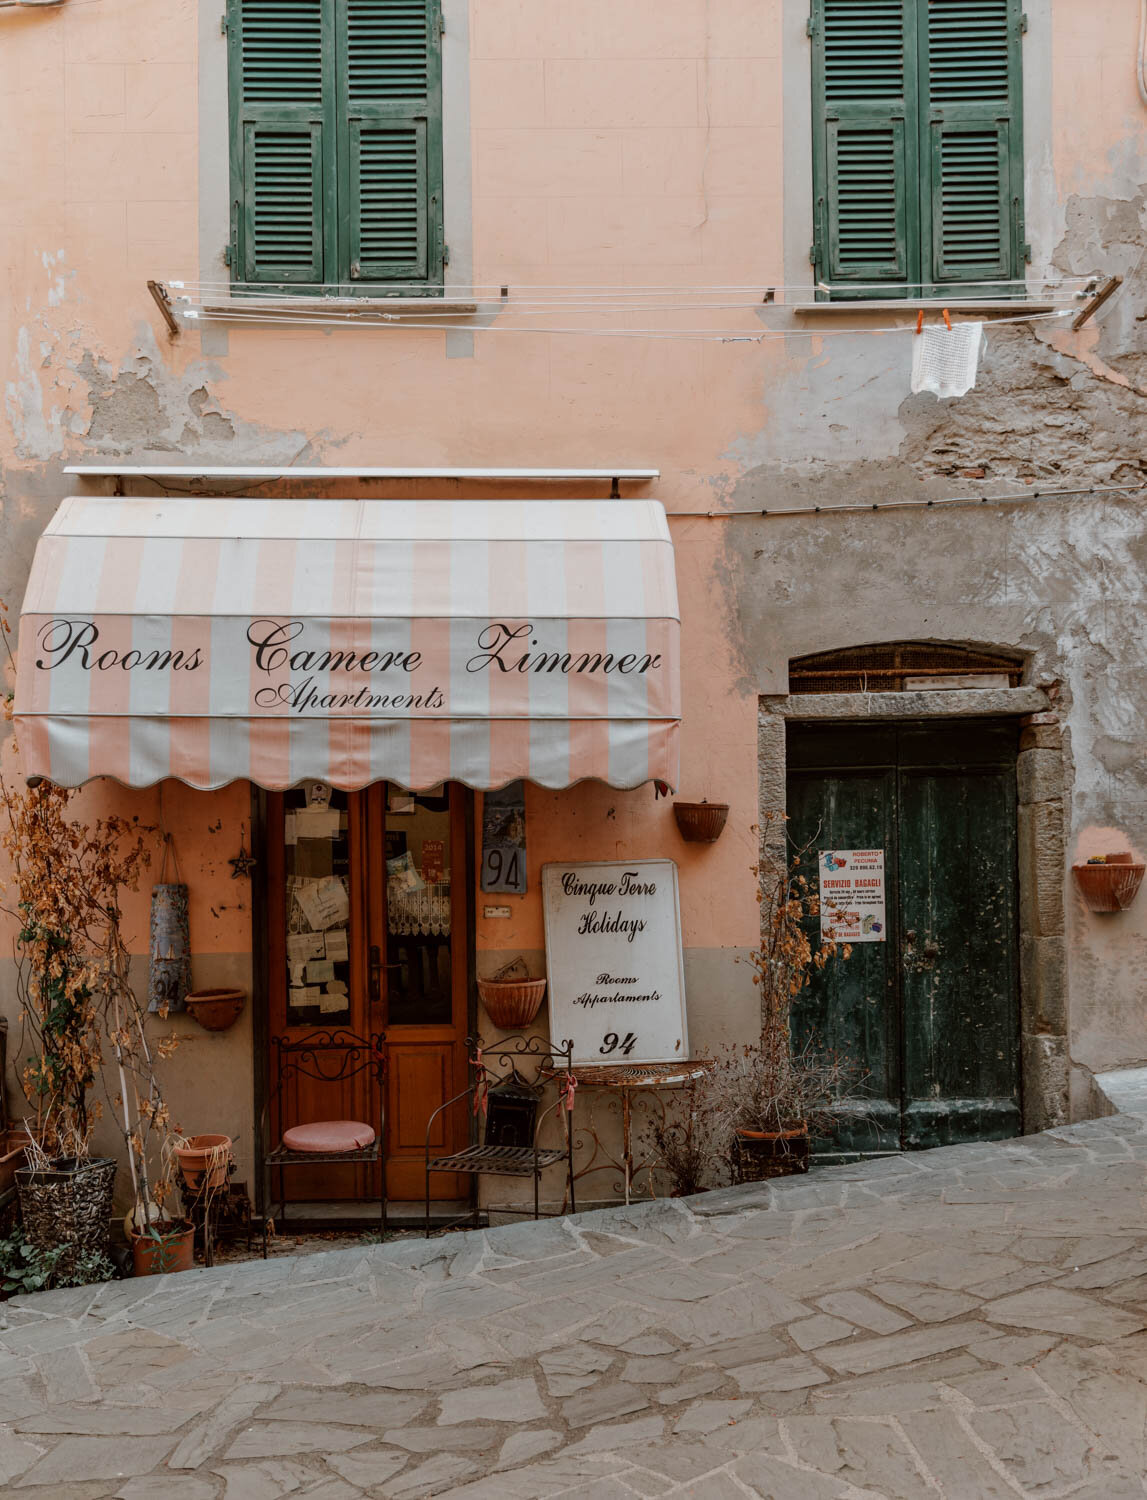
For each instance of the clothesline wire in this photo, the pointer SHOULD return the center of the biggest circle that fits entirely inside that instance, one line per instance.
(722, 336)
(260, 306)
(460, 290)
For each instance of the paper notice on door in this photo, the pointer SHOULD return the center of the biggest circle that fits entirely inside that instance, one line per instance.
(329, 1001)
(313, 993)
(319, 970)
(325, 903)
(304, 945)
(852, 896)
(290, 829)
(317, 823)
(296, 996)
(337, 950)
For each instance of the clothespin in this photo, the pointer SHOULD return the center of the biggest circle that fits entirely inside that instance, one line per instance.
(947, 320)
(920, 322)
(660, 789)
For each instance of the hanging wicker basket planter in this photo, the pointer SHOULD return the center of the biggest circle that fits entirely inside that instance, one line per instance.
(1111, 886)
(700, 822)
(512, 1003)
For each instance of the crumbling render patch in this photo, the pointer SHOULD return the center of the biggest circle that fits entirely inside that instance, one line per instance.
(142, 407)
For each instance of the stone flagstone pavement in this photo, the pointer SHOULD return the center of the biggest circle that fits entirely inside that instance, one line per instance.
(968, 1322)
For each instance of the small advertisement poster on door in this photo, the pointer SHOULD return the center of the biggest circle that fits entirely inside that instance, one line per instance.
(852, 896)
(614, 960)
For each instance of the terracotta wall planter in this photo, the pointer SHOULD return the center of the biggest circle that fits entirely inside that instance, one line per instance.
(160, 1257)
(512, 1003)
(216, 1010)
(1110, 887)
(700, 822)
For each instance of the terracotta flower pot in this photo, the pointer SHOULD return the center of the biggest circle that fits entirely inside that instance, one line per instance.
(1110, 887)
(511, 1004)
(759, 1155)
(173, 1250)
(700, 822)
(13, 1144)
(204, 1156)
(215, 1010)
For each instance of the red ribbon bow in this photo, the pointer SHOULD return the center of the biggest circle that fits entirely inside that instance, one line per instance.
(482, 1086)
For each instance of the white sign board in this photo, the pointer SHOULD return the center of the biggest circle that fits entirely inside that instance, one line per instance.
(613, 955)
(852, 896)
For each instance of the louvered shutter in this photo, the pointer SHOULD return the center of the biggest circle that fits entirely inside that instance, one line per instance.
(390, 145)
(282, 144)
(865, 150)
(970, 140)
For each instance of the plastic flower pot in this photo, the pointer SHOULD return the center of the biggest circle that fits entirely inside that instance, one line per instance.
(204, 1161)
(163, 1249)
(512, 1003)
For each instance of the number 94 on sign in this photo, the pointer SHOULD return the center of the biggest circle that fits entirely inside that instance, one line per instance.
(623, 1046)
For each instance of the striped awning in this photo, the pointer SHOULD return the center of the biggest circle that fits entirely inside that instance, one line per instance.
(351, 641)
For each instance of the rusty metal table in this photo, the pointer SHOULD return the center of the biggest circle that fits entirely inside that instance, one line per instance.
(625, 1080)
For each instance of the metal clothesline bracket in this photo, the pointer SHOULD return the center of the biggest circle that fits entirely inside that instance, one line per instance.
(1108, 289)
(159, 292)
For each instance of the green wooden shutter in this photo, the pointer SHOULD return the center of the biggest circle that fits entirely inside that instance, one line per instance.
(282, 143)
(971, 149)
(865, 141)
(390, 141)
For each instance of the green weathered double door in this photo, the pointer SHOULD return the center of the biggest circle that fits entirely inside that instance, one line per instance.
(931, 1013)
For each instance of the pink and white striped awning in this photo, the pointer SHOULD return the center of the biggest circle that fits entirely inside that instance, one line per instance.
(351, 641)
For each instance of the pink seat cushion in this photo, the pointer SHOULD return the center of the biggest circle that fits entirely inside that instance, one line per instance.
(329, 1135)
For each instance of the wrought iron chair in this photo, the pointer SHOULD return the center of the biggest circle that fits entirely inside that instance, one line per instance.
(513, 1123)
(327, 1057)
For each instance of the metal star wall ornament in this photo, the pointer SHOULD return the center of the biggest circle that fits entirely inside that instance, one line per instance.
(243, 863)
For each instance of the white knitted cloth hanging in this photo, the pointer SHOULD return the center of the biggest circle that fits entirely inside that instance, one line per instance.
(944, 359)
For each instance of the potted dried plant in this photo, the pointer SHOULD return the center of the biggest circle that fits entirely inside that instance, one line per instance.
(76, 997)
(63, 891)
(764, 1101)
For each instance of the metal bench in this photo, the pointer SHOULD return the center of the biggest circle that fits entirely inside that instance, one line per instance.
(513, 1122)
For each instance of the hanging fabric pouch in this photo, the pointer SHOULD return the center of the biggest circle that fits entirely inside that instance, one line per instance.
(169, 969)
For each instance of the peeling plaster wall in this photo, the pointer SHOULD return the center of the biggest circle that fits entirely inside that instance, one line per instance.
(626, 142)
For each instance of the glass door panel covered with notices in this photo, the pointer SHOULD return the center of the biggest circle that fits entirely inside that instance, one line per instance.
(316, 837)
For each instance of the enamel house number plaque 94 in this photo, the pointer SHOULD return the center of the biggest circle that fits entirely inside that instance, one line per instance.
(613, 954)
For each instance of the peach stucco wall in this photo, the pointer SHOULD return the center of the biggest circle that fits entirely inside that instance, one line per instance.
(611, 143)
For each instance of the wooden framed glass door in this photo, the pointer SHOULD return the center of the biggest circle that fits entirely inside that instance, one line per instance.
(368, 924)
(418, 921)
